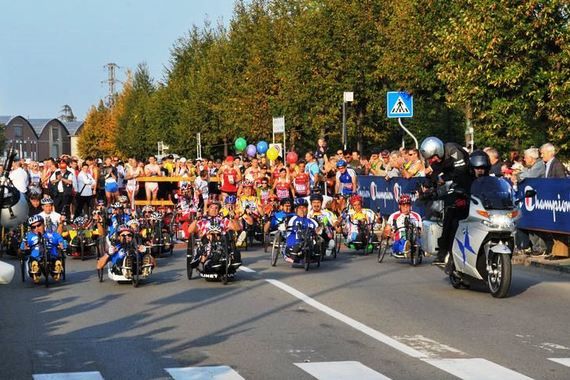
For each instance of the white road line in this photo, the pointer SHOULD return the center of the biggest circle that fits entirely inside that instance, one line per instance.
(246, 269)
(95, 375)
(476, 369)
(221, 372)
(341, 371)
(563, 361)
(349, 321)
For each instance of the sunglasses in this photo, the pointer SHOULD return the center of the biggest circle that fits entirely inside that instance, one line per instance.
(33, 227)
(125, 235)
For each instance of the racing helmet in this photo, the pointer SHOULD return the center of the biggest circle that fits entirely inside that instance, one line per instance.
(355, 198)
(79, 220)
(156, 216)
(316, 197)
(123, 228)
(116, 205)
(123, 199)
(340, 163)
(230, 199)
(301, 202)
(133, 222)
(432, 146)
(405, 199)
(46, 201)
(35, 219)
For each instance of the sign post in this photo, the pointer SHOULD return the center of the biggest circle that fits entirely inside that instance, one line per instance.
(279, 127)
(347, 96)
(400, 104)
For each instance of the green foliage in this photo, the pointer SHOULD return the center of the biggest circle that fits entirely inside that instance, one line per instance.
(502, 65)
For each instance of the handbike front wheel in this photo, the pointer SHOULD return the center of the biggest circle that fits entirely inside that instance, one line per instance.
(383, 248)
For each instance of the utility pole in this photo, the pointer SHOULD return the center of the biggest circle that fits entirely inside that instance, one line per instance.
(111, 81)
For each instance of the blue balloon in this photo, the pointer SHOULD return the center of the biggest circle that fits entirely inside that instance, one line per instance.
(262, 147)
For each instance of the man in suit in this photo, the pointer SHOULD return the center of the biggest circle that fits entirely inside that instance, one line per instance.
(554, 169)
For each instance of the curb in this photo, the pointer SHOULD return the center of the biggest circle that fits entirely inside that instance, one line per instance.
(536, 263)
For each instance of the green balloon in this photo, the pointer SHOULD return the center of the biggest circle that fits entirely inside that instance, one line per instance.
(240, 143)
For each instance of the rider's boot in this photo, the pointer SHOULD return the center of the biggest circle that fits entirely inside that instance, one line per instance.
(128, 267)
(241, 238)
(440, 259)
(146, 265)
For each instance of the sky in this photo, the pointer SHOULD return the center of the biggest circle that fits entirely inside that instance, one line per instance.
(54, 52)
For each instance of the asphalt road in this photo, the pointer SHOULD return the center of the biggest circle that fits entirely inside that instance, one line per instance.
(352, 318)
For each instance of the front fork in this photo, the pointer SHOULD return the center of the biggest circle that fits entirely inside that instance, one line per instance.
(491, 249)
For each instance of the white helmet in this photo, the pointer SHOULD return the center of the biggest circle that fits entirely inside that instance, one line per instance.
(432, 146)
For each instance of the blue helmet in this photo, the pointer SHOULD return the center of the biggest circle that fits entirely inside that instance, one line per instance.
(340, 163)
(301, 202)
(230, 199)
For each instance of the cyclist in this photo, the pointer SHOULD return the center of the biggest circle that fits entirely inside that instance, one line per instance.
(279, 216)
(299, 222)
(326, 219)
(345, 179)
(397, 222)
(356, 216)
(117, 250)
(52, 219)
(52, 241)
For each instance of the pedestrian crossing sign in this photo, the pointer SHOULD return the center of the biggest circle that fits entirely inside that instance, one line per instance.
(399, 104)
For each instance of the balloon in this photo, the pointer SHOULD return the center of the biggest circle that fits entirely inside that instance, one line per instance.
(251, 150)
(272, 153)
(262, 147)
(292, 157)
(240, 143)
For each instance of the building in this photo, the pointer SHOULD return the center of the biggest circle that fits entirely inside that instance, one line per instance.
(41, 138)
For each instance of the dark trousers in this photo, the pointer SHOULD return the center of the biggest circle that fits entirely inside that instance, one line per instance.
(83, 202)
(61, 204)
(450, 223)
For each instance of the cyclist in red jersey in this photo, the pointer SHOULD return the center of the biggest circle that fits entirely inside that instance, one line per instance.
(230, 178)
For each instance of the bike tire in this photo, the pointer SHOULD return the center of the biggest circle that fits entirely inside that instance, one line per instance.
(23, 268)
(136, 270)
(46, 268)
(189, 256)
(82, 249)
(504, 264)
(383, 248)
(337, 243)
(275, 249)
(307, 259)
(63, 268)
(228, 262)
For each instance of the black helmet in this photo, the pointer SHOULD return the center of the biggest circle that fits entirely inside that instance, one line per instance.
(316, 197)
(479, 160)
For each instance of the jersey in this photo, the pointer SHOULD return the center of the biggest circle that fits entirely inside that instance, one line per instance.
(301, 184)
(249, 202)
(345, 180)
(282, 189)
(229, 181)
(51, 239)
(51, 220)
(295, 225)
(207, 223)
(277, 218)
(325, 217)
(263, 195)
(397, 222)
(312, 169)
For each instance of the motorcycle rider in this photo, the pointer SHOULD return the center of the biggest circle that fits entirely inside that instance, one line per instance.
(448, 162)
(480, 163)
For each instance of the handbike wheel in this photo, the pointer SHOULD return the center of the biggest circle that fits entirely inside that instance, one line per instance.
(189, 256)
(276, 249)
(307, 259)
(383, 248)
(46, 268)
(136, 269)
(100, 274)
(23, 267)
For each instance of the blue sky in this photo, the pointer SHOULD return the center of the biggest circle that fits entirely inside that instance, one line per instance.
(53, 52)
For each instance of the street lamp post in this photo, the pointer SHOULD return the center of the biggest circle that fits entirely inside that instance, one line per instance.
(347, 97)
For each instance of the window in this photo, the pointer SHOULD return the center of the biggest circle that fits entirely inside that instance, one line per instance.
(55, 150)
(18, 131)
(55, 134)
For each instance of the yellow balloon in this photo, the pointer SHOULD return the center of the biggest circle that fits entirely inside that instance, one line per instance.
(272, 153)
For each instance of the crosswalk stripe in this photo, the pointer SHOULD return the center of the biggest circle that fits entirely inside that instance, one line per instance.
(476, 369)
(94, 375)
(221, 372)
(348, 370)
(563, 361)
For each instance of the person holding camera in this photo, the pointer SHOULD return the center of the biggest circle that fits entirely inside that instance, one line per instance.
(63, 183)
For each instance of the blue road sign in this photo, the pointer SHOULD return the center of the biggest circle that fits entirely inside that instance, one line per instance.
(399, 104)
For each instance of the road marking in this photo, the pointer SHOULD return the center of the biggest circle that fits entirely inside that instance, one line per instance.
(221, 372)
(430, 347)
(341, 371)
(563, 361)
(95, 375)
(476, 369)
(349, 321)
(246, 269)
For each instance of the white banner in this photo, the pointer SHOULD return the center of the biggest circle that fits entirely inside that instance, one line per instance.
(279, 124)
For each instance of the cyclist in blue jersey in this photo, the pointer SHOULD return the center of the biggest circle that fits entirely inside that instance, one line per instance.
(345, 179)
(296, 224)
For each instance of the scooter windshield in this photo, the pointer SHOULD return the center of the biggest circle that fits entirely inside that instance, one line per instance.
(495, 193)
